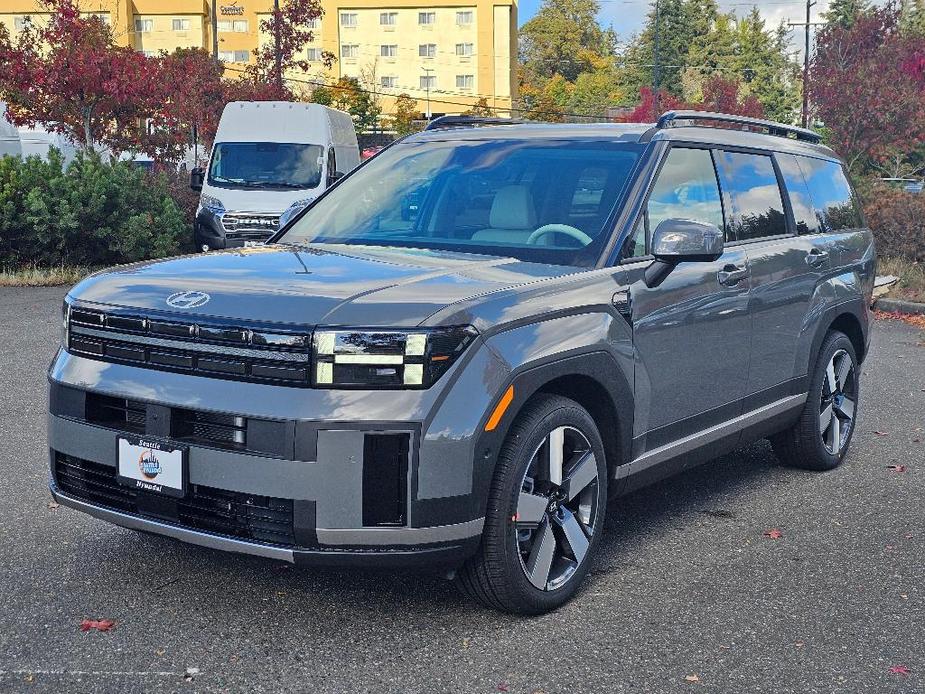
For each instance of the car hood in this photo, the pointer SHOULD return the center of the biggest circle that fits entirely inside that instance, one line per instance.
(330, 285)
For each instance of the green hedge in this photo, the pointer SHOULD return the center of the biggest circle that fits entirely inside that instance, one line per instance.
(91, 213)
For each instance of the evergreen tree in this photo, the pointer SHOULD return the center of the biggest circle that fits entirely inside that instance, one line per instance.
(913, 17)
(844, 12)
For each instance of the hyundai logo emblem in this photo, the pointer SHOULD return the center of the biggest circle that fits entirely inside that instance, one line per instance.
(188, 299)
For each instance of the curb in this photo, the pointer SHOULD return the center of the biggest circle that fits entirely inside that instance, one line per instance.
(899, 306)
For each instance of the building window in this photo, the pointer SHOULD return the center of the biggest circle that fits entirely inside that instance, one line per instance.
(388, 19)
(465, 17)
(149, 54)
(181, 25)
(427, 18)
(312, 23)
(313, 55)
(223, 25)
(427, 50)
(388, 50)
(348, 19)
(464, 50)
(428, 81)
(239, 26)
(233, 56)
(20, 23)
(465, 81)
(102, 16)
(349, 50)
(144, 26)
(389, 81)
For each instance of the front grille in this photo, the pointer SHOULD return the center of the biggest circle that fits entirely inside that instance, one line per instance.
(234, 514)
(223, 430)
(116, 413)
(250, 227)
(207, 349)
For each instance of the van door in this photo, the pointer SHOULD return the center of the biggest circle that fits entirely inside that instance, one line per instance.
(692, 332)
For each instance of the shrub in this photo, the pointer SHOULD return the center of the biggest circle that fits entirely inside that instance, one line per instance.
(898, 222)
(91, 213)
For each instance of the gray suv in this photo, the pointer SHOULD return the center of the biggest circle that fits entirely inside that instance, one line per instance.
(456, 355)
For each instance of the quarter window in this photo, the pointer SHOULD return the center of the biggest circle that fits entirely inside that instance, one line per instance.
(754, 205)
(835, 205)
(800, 200)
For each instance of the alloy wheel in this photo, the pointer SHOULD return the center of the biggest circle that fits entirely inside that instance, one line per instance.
(557, 508)
(839, 398)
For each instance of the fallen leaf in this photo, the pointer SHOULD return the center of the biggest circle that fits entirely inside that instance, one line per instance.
(899, 670)
(98, 624)
(503, 687)
(53, 505)
(190, 673)
(692, 678)
(904, 596)
(29, 679)
(882, 433)
(773, 533)
(160, 652)
(896, 468)
(466, 643)
(908, 536)
(890, 547)
(800, 644)
(916, 440)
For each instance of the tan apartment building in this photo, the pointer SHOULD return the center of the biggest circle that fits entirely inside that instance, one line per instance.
(443, 53)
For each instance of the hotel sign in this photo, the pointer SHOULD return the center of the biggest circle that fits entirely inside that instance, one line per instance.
(230, 10)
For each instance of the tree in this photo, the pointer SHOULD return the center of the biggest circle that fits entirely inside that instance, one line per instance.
(844, 13)
(913, 17)
(69, 77)
(868, 87)
(724, 95)
(406, 111)
(550, 41)
(348, 95)
(288, 27)
(480, 108)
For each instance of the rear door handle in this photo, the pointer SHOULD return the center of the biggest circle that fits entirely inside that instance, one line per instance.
(816, 257)
(731, 275)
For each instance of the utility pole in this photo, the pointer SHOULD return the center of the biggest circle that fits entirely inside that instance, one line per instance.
(215, 29)
(656, 77)
(276, 46)
(804, 115)
(428, 70)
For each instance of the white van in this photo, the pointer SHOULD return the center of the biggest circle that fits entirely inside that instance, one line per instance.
(9, 136)
(270, 160)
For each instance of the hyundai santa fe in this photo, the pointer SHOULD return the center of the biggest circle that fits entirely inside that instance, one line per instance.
(462, 350)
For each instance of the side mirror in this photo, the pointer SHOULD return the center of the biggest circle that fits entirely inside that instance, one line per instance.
(682, 241)
(197, 177)
(335, 176)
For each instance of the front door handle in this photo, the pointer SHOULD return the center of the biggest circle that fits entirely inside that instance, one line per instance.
(731, 275)
(815, 257)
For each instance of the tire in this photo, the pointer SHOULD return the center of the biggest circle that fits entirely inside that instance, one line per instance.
(540, 537)
(820, 438)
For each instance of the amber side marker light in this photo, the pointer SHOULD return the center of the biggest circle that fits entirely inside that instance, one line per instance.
(500, 409)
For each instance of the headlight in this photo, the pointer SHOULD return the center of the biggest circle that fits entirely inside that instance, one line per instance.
(213, 205)
(293, 210)
(387, 358)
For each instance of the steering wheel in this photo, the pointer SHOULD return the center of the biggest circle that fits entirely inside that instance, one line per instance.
(572, 232)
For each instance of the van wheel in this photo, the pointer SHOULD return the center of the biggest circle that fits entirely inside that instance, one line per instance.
(820, 438)
(546, 510)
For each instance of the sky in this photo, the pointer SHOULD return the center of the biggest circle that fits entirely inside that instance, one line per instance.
(628, 16)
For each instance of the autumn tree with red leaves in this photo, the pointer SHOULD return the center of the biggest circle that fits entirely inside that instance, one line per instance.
(69, 77)
(867, 86)
(720, 94)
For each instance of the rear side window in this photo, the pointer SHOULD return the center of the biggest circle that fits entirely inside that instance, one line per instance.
(835, 205)
(800, 200)
(754, 205)
(686, 188)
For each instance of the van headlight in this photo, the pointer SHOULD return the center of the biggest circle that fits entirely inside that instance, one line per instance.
(387, 358)
(213, 205)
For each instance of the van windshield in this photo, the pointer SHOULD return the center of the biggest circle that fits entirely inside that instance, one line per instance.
(265, 165)
(538, 200)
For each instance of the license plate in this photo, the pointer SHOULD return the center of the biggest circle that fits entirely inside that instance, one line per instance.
(152, 465)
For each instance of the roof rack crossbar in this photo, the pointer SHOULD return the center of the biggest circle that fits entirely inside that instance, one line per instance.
(468, 121)
(670, 118)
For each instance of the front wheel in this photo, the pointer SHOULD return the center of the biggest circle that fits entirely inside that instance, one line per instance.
(545, 511)
(820, 438)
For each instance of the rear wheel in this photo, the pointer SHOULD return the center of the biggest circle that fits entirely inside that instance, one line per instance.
(545, 512)
(820, 438)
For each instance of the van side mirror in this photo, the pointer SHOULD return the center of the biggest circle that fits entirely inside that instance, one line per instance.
(197, 177)
(335, 176)
(681, 241)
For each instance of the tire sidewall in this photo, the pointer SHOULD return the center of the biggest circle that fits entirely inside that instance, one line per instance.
(835, 343)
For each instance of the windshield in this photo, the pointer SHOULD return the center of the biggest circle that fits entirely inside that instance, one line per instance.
(541, 200)
(265, 165)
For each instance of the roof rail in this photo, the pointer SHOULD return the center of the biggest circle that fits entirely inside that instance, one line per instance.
(670, 118)
(468, 121)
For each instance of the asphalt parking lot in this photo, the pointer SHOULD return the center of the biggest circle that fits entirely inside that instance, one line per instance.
(688, 593)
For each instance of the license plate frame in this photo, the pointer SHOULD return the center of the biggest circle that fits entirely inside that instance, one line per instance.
(152, 464)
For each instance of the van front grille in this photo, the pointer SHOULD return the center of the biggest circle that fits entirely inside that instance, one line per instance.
(256, 226)
(250, 517)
